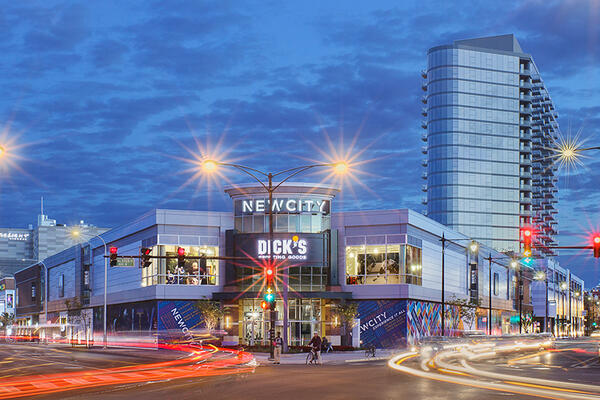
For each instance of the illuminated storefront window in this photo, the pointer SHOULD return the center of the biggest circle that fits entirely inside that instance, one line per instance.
(166, 271)
(386, 263)
(304, 316)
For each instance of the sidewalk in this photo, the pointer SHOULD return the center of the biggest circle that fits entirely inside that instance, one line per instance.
(332, 358)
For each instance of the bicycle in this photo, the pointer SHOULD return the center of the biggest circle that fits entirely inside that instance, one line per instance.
(311, 357)
(370, 351)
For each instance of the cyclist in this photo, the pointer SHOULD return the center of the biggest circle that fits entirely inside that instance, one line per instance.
(316, 343)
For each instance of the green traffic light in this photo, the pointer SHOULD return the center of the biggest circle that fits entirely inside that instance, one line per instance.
(269, 297)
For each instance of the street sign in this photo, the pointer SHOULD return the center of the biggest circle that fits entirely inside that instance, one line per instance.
(127, 262)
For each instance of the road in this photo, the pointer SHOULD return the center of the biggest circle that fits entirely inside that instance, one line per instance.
(573, 361)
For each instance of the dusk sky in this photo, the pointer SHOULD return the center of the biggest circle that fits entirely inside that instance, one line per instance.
(102, 102)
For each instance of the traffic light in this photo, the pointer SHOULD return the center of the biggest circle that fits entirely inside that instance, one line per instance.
(180, 257)
(145, 260)
(596, 245)
(269, 275)
(527, 237)
(269, 299)
(113, 256)
(269, 296)
(264, 305)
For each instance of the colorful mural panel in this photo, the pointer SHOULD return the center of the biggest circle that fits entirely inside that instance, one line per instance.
(423, 319)
(382, 323)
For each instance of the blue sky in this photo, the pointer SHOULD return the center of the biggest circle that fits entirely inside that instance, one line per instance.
(102, 101)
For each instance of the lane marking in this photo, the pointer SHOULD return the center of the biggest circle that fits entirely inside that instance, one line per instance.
(549, 387)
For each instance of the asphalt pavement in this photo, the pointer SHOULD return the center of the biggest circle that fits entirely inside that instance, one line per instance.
(342, 376)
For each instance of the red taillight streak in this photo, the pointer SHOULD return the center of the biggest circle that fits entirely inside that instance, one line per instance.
(130, 374)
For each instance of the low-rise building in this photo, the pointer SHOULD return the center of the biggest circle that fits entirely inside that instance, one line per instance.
(388, 262)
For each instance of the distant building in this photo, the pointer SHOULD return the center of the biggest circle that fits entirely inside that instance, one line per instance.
(490, 123)
(21, 247)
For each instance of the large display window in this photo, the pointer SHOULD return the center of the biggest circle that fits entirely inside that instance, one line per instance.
(386, 263)
(166, 271)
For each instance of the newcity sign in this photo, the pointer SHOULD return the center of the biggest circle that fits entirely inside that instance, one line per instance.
(282, 205)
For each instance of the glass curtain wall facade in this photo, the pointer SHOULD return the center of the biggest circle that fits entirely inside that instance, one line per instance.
(479, 132)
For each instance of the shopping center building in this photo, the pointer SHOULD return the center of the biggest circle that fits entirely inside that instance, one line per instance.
(387, 261)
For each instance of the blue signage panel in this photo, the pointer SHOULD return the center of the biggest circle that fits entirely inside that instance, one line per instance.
(178, 321)
(382, 323)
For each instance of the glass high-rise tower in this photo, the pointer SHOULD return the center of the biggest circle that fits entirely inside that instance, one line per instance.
(490, 123)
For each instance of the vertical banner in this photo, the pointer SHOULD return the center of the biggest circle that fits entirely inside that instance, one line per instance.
(382, 323)
(177, 321)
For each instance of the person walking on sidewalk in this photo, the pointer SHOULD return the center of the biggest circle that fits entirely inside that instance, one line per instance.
(277, 344)
(316, 343)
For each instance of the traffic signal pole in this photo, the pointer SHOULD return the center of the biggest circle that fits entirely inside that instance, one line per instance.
(273, 307)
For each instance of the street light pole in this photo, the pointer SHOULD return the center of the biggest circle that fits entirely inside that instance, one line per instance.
(272, 311)
(569, 327)
(473, 248)
(339, 167)
(490, 294)
(546, 313)
(76, 233)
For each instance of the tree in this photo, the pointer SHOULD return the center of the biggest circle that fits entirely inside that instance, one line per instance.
(6, 319)
(527, 323)
(211, 312)
(347, 313)
(467, 309)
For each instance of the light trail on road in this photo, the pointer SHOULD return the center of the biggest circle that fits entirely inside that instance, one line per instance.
(443, 367)
(200, 361)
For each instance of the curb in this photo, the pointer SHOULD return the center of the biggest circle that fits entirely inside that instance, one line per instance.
(368, 359)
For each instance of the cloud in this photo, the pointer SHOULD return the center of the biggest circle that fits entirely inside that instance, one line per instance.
(114, 97)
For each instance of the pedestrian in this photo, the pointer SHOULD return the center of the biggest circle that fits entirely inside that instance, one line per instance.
(327, 347)
(277, 344)
(316, 343)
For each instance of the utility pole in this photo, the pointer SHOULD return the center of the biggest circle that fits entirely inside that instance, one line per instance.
(546, 313)
(520, 300)
(443, 287)
(490, 295)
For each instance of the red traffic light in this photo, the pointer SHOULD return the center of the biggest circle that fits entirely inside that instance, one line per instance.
(264, 305)
(146, 251)
(527, 234)
(596, 246)
(113, 256)
(269, 271)
(180, 251)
